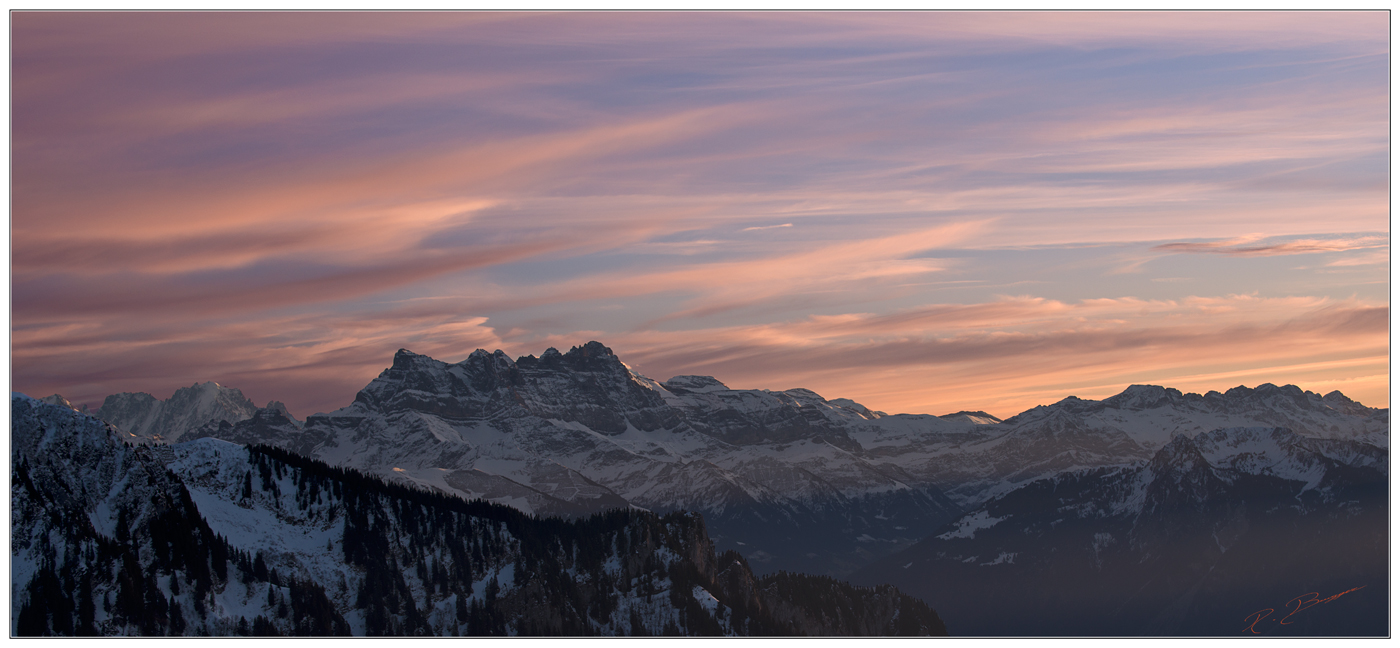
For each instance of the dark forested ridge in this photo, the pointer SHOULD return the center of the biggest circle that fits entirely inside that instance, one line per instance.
(210, 538)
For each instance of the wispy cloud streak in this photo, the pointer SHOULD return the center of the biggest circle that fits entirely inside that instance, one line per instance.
(1299, 246)
(1011, 355)
(765, 227)
(274, 199)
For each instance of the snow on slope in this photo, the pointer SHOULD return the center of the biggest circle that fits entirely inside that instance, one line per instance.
(579, 432)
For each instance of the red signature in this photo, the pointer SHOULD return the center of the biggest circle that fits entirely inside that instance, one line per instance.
(1300, 603)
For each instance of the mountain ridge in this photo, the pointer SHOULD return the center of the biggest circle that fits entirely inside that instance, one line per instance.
(207, 537)
(1210, 529)
(578, 432)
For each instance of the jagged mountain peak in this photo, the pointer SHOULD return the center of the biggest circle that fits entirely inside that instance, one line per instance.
(1336, 396)
(592, 356)
(208, 395)
(416, 382)
(846, 403)
(979, 417)
(1275, 395)
(588, 385)
(591, 349)
(274, 415)
(279, 406)
(1269, 404)
(1181, 454)
(1273, 451)
(1181, 478)
(694, 384)
(143, 416)
(403, 359)
(1143, 397)
(126, 397)
(1339, 402)
(1263, 389)
(804, 394)
(1069, 404)
(59, 400)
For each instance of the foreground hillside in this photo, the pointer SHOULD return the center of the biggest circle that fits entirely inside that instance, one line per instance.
(211, 538)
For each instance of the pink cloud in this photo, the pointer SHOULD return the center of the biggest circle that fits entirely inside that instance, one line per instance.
(149, 243)
(726, 285)
(1003, 357)
(312, 362)
(1366, 31)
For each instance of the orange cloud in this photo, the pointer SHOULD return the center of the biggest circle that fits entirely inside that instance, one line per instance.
(1007, 356)
(726, 285)
(313, 362)
(223, 190)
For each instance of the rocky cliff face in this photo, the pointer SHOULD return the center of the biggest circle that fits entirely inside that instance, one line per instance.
(141, 416)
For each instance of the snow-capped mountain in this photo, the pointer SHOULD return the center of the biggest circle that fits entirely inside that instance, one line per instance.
(578, 433)
(59, 400)
(790, 479)
(1210, 530)
(989, 460)
(208, 537)
(1152, 416)
(142, 416)
(104, 540)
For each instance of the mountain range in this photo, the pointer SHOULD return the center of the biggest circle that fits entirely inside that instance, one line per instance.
(792, 482)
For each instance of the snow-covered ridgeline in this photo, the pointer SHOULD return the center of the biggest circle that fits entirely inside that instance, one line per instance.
(581, 432)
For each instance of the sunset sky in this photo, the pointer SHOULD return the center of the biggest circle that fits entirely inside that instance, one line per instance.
(923, 212)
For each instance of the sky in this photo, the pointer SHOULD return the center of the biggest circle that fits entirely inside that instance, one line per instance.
(922, 212)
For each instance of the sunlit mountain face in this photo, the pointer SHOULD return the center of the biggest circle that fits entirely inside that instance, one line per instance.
(1078, 311)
